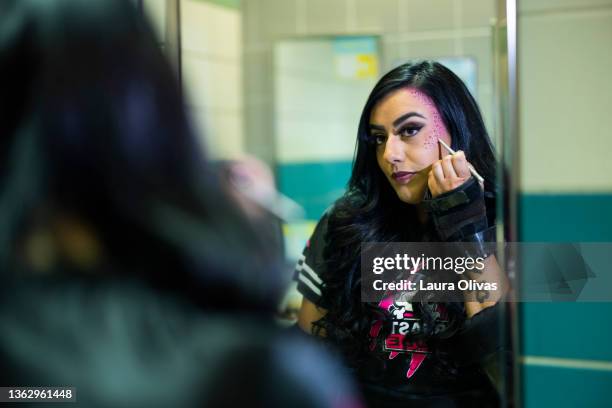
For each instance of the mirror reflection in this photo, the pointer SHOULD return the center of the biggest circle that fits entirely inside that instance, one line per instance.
(347, 103)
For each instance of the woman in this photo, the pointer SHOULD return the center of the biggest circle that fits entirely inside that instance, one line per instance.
(405, 187)
(101, 164)
(127, 270)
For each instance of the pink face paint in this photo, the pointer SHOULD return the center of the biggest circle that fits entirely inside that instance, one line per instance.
(438, 125)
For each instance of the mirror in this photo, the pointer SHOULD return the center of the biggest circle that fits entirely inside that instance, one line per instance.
(286, 81)
(320, 82)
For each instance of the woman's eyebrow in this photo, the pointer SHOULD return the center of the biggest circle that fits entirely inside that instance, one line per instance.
(376, 127)
(402, 118)
(397, 121)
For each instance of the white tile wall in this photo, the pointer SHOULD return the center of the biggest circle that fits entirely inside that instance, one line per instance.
(212, 74)
(326, 17)
(477, 13)
(429, 15)
(407, 28)
(556, 5)
(217, 126)
(565, 103)
(211, 30)
(372, 15)
(212, 82)
(316, 113)
(278, 17)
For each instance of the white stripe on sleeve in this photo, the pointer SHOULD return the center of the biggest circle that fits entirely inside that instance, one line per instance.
(315, 278)
(308, 283)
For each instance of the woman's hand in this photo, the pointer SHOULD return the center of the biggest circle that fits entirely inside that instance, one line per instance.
(457, 205)
(448, 173)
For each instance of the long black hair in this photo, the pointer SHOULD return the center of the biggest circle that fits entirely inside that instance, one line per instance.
(94, 127)
(370, 211)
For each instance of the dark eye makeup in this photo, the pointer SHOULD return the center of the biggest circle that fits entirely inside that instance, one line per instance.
(406, 130)
(409, 130)
(377, 138)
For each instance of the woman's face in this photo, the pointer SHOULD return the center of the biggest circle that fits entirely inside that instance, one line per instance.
(405, 126)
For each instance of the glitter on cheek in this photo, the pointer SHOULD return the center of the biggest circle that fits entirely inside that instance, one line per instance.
(438, 126)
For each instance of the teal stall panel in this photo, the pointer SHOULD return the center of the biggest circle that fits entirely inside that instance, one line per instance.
(546, 386)
(315, 186)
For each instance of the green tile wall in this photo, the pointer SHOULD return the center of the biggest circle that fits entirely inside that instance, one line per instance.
(566, 330)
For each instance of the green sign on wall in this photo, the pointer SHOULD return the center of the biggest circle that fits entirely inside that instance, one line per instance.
(225, 3)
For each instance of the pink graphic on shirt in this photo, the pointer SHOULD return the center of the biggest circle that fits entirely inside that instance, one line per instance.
(415, 362)
(404, 322)
(374, 330)
(387, 303)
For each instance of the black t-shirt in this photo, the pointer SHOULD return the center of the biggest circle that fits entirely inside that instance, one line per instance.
(402, 370)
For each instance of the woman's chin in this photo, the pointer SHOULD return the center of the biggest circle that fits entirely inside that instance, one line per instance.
(413, 192)
(409, 196)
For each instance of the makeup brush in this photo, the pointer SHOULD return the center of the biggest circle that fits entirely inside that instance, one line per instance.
(472, 169)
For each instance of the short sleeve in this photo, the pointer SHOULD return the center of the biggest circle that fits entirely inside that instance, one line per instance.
(311, 264)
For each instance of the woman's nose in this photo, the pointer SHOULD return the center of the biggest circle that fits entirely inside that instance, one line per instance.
(394, 151)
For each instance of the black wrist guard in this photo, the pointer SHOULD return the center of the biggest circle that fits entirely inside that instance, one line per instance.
(481, 244)
(458, 213)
